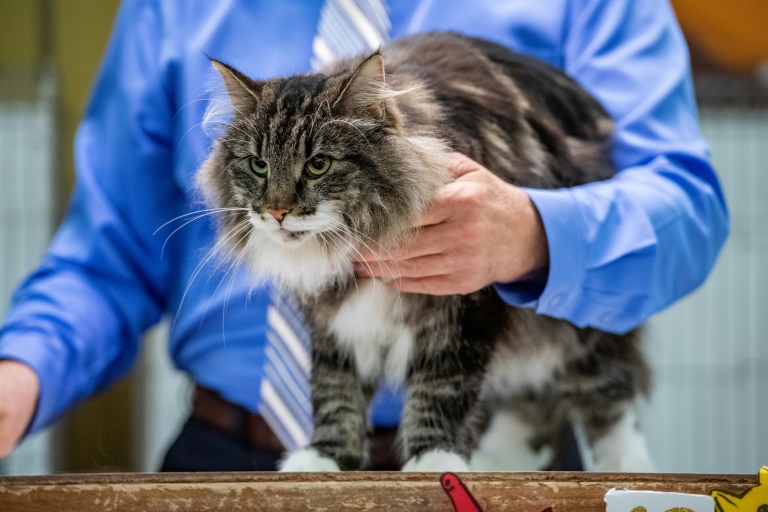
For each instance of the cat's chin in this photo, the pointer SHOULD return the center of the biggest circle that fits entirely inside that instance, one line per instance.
(302, 264)
(289, 239)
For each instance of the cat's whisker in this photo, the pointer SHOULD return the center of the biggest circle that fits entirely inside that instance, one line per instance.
(349, 231)
(360, 233)
(395, 277)
(234, 162)
(243, 233)
(209, 114)
(211, 210)
(339, 245)
(334, 249)
(162, 250)
(222, 123)
(211, 253)
(200, 124)
(228, 293)
(178, 111)
(203, 124)
(226, 105)
(226, 258)
(370, 270)
(246, 134)
(388, 254)
(354, 233)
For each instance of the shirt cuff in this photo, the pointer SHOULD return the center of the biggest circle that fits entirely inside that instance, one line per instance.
(24, 346)
(559, 213)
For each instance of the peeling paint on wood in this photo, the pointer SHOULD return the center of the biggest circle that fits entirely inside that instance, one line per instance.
(336, 492)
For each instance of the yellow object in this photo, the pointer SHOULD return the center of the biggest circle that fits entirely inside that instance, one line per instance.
(754, 499)
(733, 33)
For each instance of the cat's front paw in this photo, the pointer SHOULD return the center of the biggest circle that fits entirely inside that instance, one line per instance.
(307, 460)
(437, 461)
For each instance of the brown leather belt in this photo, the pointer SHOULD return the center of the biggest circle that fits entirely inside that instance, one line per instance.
(209, 406)
(237, 421)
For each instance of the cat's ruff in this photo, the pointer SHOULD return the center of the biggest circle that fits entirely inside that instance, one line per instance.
(369, 324)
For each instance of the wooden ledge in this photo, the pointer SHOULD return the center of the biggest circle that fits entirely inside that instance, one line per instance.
(335, 492)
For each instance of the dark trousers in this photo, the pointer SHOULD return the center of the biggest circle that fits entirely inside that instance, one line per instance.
(201, 447)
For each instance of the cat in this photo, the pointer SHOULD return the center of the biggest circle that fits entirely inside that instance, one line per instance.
(316, 166)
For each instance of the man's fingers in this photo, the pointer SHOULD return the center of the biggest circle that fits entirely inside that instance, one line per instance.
(433, 285)
(431, 265)
(430, 240)
(459, 165)
(441, 207)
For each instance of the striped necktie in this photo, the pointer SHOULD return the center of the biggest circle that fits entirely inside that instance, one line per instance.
(346, 28)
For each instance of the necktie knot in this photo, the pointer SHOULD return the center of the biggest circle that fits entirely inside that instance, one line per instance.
(348, 28)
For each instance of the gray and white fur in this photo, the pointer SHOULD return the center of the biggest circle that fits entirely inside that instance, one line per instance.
(479, 374)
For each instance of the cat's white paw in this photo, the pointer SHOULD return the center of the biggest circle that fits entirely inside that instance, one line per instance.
(437, 461)
(623, 448)
(635, 459)
(510, 459)
(307, 460)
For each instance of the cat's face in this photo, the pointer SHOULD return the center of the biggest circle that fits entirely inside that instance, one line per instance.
(317, 166)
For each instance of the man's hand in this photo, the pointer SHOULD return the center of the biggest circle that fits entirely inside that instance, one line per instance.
(19, 389)
(478, 230)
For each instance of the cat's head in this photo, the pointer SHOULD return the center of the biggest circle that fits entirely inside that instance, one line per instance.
(315, 167)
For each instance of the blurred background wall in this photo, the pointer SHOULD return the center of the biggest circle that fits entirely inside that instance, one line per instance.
(709, 351)
(49, 54)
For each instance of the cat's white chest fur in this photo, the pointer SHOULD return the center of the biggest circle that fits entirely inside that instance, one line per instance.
(369, 324)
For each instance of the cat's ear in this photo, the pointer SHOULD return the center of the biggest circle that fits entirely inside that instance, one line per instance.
(243, 92)
(366, 92)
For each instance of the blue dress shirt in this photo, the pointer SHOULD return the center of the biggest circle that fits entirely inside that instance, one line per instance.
(620, 250)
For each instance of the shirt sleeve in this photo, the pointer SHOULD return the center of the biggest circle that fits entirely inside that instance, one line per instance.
(623, 249)
(77, 320)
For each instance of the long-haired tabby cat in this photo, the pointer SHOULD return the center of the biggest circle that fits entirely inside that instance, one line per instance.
(316, 166)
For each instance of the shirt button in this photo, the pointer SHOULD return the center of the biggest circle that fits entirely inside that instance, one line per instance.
(554, 301)
(606, 316)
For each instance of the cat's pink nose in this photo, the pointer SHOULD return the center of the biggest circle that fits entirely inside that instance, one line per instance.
(278, 214)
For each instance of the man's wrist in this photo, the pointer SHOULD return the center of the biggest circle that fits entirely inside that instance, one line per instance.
(19, 392)
(529, 233)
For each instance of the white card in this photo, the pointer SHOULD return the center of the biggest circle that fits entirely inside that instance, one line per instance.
(651, 501)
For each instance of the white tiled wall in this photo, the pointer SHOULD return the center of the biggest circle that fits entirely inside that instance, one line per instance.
(710, 352)
(27, 152)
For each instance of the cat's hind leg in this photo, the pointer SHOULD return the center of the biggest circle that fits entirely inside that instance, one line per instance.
(605, 389)
(616, 440)
(513, 441)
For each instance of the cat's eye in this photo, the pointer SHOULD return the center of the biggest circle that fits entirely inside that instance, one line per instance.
(318, 165)
(258, 166)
